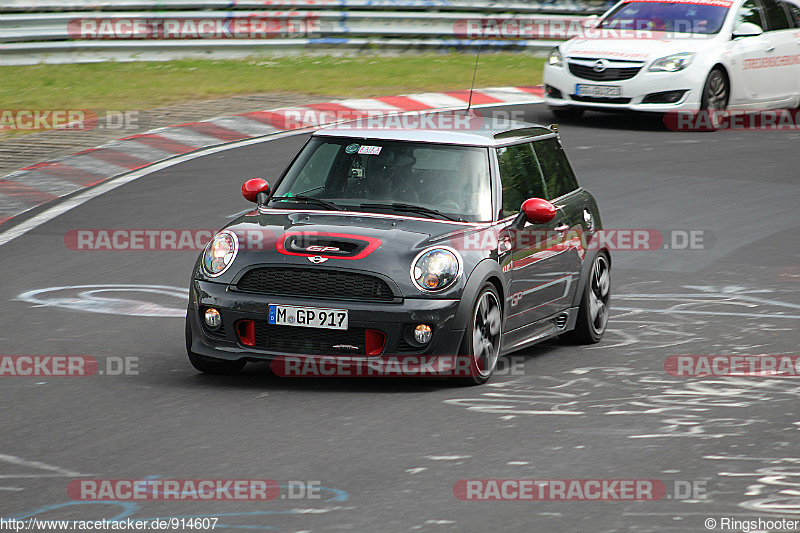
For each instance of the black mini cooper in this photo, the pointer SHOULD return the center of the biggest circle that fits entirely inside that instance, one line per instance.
(386, 243)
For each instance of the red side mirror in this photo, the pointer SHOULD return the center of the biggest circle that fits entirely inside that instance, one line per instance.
(252, 187)
(538, 210)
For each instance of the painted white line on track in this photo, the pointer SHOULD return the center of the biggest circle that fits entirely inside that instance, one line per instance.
(19, 461)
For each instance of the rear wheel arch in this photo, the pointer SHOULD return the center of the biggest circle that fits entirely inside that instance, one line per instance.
(586, 271)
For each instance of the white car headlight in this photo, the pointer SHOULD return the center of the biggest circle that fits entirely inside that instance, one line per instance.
(672, 63)
(435, 269)
(554, 59)
(220, 253)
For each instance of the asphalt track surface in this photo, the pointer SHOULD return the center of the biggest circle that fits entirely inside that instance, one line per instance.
(389, 451)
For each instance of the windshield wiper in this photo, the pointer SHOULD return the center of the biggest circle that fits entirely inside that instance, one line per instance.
(310, 200)
(412, 208)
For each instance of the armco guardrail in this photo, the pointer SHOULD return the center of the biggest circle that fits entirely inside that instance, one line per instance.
(504, 6)
(64, 31)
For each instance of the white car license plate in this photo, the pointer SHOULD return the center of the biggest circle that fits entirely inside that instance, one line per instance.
(603, 91)
(308, 317)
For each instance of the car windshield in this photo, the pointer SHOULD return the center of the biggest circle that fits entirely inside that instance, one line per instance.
(415, 179)
(703, 17)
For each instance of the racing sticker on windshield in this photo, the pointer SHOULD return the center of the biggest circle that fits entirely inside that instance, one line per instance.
(370, 150)
(720, 3)
(352, 148)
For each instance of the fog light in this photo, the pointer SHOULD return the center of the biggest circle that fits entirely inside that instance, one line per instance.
(212, 318)
(423, 334)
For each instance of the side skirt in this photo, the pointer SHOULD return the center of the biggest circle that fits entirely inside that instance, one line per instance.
(542, 330)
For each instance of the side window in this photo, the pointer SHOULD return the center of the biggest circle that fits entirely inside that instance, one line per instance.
(775, 15)
(519, 176)
(794, 13)
(558, 175)
(749, 12)
(316, 170)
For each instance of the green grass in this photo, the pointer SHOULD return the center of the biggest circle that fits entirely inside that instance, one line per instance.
(144, 85)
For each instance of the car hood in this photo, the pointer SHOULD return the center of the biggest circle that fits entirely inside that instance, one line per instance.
(635, 49)
(364, 242)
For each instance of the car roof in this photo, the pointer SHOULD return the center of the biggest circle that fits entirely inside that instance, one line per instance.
(453, 128)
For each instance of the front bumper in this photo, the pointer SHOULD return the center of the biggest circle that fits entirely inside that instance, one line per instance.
(634, 90)
(391, 319)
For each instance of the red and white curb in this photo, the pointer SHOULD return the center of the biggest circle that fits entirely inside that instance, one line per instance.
(35, 185)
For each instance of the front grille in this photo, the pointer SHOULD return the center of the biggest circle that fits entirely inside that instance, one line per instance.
(308, 341)
(600, 99)
(315, 283)
(609, 74)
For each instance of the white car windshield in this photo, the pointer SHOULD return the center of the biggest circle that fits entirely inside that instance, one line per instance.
(674, 17)
(373, 174)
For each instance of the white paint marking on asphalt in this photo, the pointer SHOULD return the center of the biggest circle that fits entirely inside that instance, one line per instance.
(712, 313)
(111, 184)
(447, 457)
(19, 461)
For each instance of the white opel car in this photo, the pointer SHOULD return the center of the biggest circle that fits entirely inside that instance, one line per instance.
(680, 55)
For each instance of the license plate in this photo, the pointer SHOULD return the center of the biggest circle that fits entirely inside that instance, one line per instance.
(603, 91)
(307, 317)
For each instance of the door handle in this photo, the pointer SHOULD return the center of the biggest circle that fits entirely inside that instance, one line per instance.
(771, 49)
(562, 229)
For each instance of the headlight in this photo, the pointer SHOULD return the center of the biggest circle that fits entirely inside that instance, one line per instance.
(219, 253)
(436, 269)
(554, 59)
(672, 63)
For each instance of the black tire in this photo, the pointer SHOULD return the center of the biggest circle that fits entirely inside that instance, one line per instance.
(567, 113)
(485, 328)
(593, 311)
(715, 98)
(210, 365)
